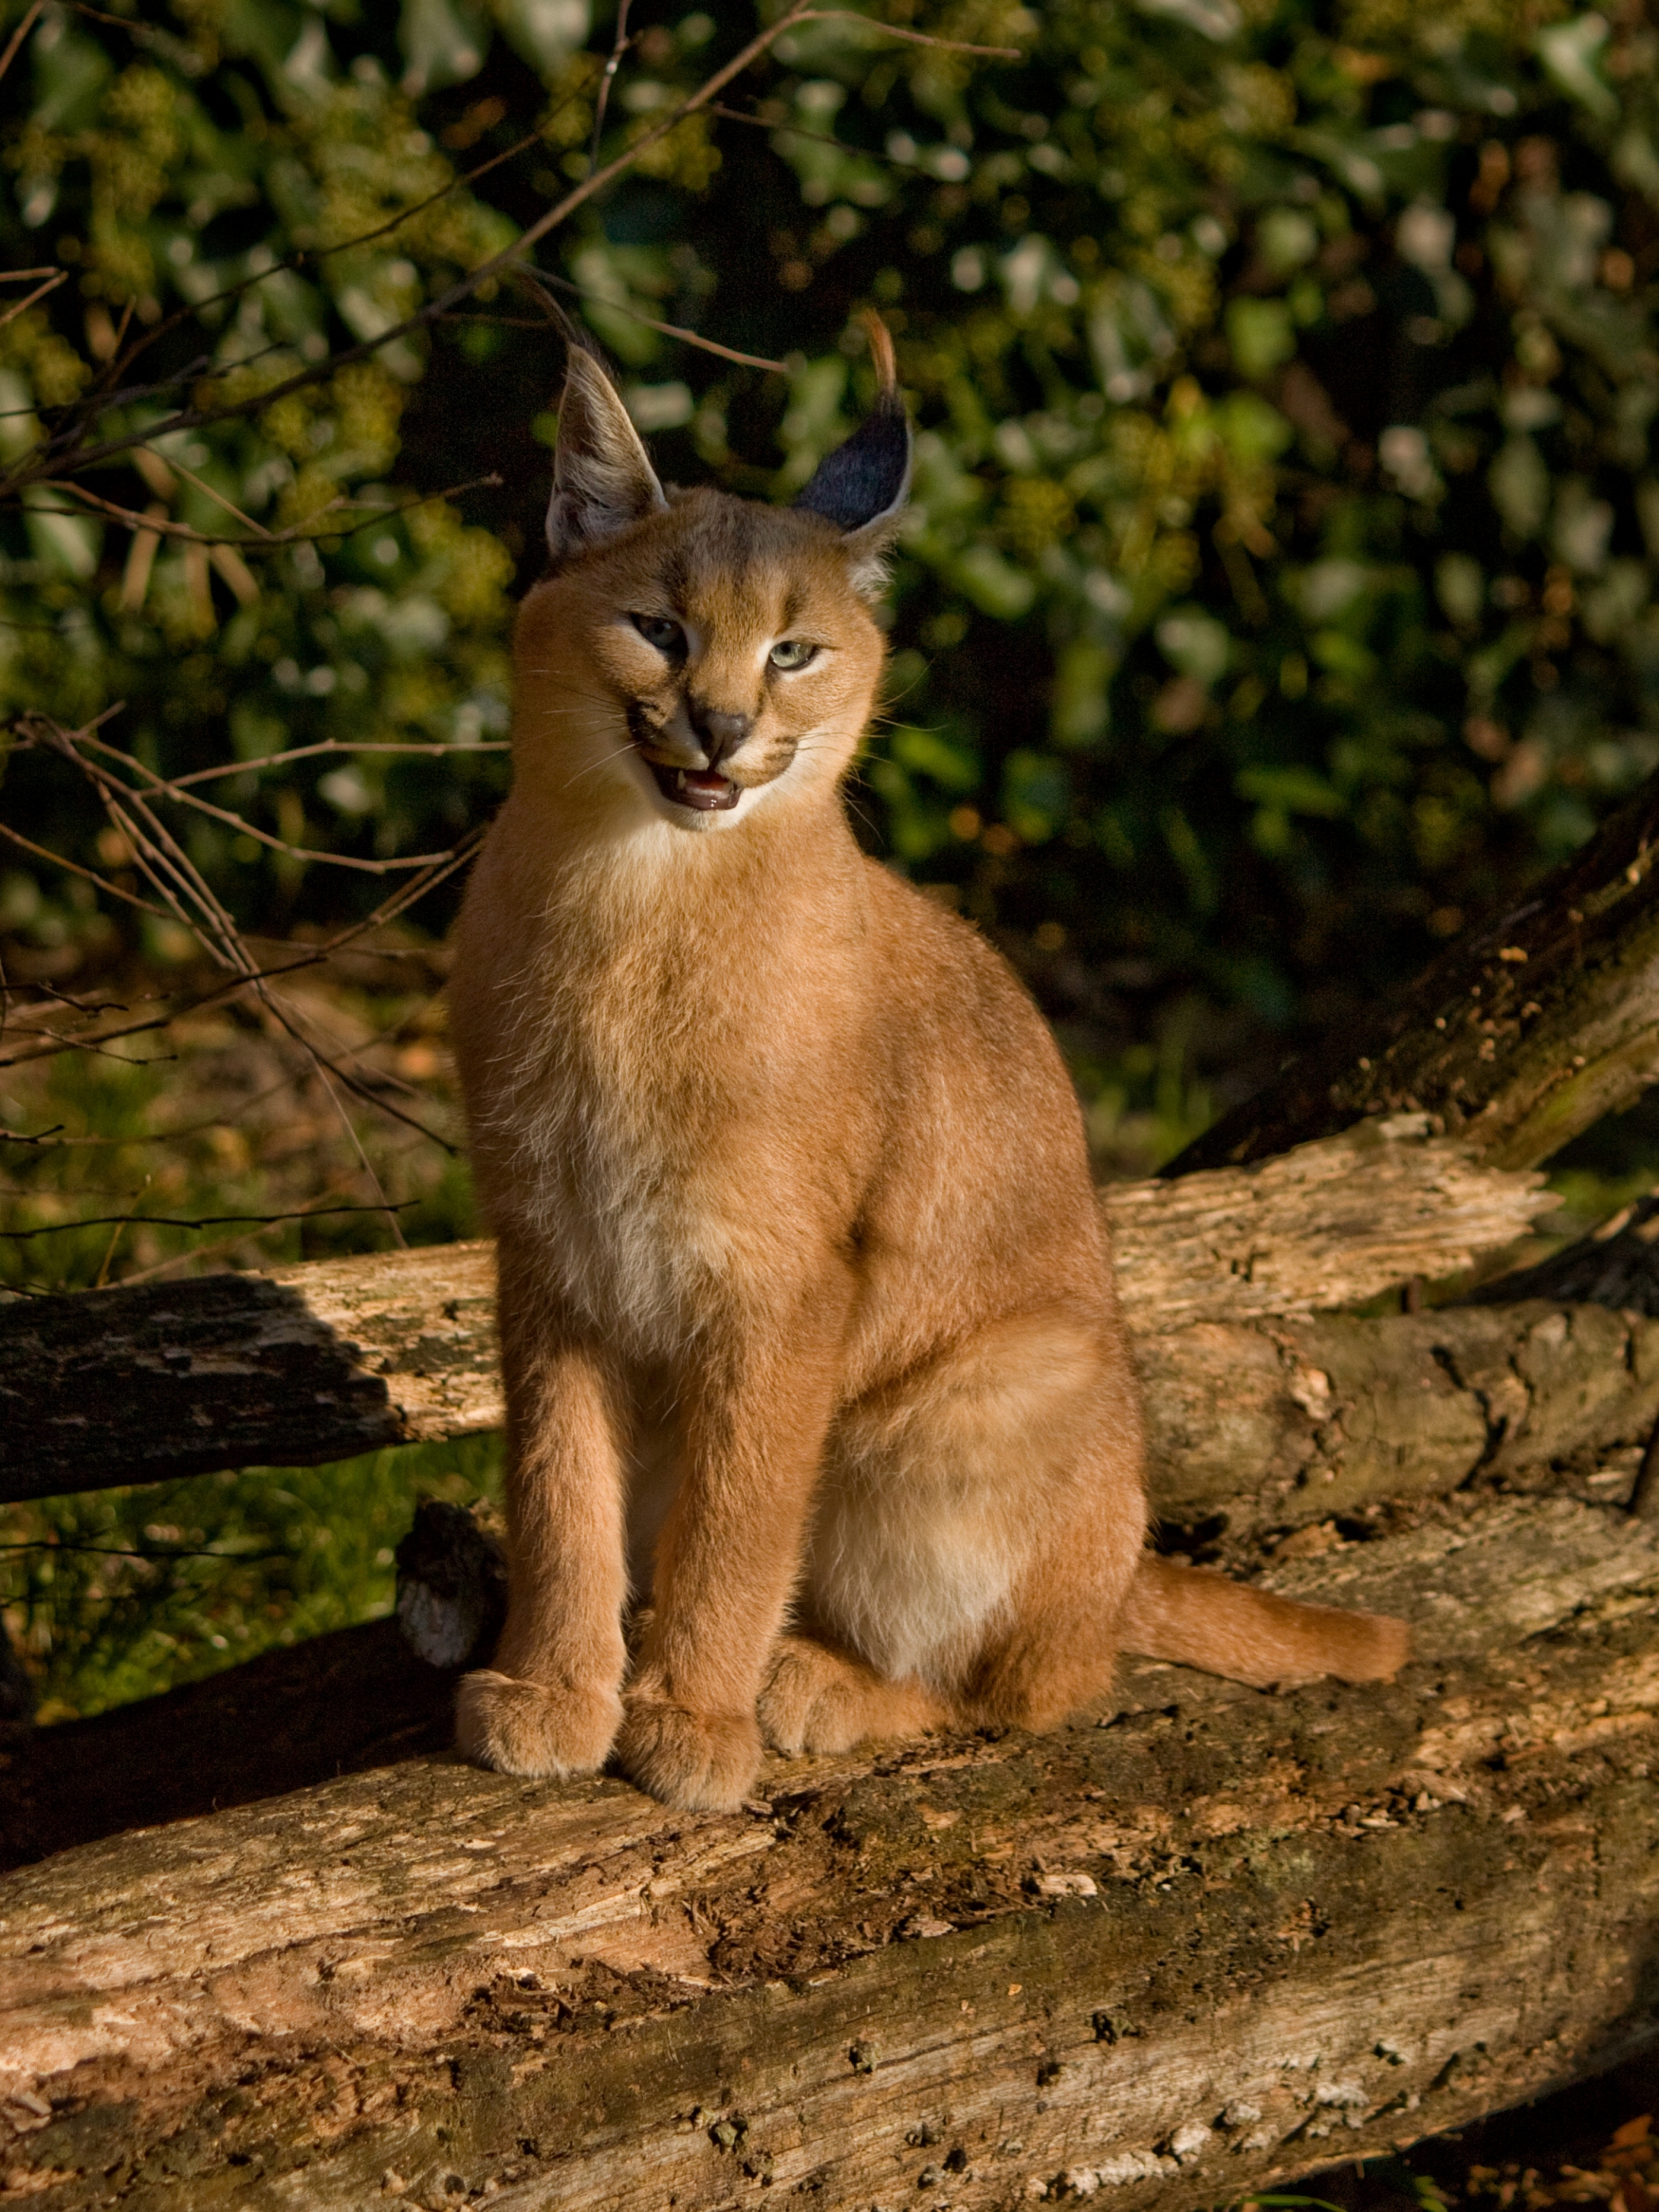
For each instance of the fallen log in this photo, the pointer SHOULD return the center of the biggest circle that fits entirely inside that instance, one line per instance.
(1524, 1032)
(1174, 1955)
(320, 1361)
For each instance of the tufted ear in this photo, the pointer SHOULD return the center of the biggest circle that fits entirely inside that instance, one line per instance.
(862, 486)
(602, 477)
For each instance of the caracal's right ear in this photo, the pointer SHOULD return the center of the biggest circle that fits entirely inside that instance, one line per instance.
(602, 477)
(863, 484)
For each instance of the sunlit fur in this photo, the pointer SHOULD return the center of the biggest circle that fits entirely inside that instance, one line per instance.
(807, 1326)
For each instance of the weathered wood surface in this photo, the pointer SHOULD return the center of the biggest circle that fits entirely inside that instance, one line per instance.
(296, 1716)
(1524, 1032)
(1327, 1225)
(1277, 1423)
(1214, 1942)
(319, 1361)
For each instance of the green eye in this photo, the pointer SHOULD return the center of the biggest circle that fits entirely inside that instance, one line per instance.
(657, 629)
(792, 652)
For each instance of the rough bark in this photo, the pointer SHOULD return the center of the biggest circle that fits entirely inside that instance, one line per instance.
(1326, 1225)
(1276, 1424)
(316, 1362)
(1522, 1034)
(1176, 1955)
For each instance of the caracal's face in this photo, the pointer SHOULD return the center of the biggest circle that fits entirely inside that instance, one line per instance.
(712, 659)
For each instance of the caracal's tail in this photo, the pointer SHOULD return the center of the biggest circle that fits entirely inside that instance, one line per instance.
(1226, 1628)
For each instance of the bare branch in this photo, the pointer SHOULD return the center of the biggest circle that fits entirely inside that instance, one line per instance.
(535, 279)
(163, 788)
(206, 1221)
(914, 38)
(39, 293)
(760, 122)
(189, 476)
(602, 97)
(10, 56)
(497, 265)
(332, 744)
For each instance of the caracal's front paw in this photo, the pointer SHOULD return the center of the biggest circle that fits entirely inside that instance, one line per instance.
(701, 1762)
(530, 1728)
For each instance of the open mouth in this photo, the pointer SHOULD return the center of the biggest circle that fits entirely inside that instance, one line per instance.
(703, 790)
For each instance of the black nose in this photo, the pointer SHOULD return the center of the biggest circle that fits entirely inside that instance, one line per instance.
(721, 732)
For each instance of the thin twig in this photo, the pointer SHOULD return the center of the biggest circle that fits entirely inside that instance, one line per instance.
(86, 875)
(307, 532)
(19, 306)
(11, 46)
(509, 256)
(914, 38)
(760, 122)
(390, 910)
(160, 786)
(219, 497)
(602, 97)
(535, 279)
(333, 744)
(207, 1221)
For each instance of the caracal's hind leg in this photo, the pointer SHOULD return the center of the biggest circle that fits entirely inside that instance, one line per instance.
(1058, 1650)
(817, 1699)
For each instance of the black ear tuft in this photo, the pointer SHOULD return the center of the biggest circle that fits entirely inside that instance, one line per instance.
(866, 479)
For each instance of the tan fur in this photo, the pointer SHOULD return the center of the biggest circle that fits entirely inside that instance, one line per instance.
(808, 1330)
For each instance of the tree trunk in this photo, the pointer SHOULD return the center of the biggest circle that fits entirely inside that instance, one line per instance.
(1525, 1031)
(320, 1361)
(1179, 1955)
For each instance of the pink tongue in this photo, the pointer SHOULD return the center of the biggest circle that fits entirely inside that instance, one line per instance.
(706, 780)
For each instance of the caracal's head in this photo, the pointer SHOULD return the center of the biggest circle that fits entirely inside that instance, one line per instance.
(694, 658)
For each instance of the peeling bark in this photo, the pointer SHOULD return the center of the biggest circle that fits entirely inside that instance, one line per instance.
(1175, 1955)
(1522, 1034)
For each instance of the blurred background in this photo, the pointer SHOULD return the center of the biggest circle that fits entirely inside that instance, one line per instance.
(1279, 593)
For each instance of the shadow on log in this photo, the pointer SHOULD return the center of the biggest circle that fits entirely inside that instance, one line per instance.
(335, 1705)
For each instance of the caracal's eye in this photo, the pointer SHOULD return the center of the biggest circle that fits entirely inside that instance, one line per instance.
(657, 629)
(792, 652)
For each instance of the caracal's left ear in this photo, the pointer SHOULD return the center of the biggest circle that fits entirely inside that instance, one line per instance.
(862, 486)
(602, 477)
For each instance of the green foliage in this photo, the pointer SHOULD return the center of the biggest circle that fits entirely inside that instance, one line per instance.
(224, 1141)
(1284, 487)
(165, 171)
(1281, 572)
